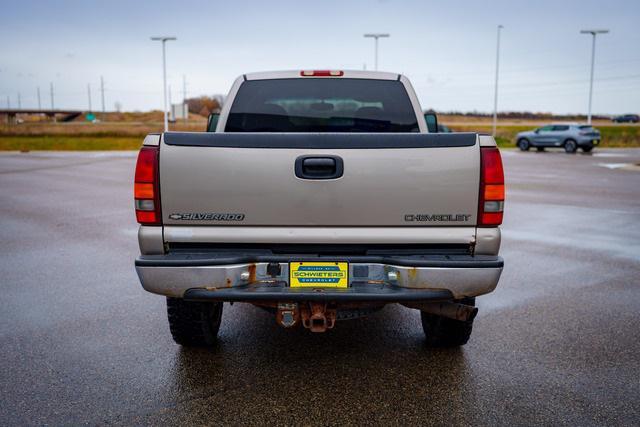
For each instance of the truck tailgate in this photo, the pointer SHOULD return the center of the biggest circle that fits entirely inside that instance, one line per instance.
(422, 180)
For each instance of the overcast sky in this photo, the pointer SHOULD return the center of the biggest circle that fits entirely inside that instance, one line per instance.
(446, 48)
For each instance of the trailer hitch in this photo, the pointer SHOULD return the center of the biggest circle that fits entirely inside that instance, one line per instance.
(317, 317)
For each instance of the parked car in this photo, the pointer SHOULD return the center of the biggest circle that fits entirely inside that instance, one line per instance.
(309, 200)
(569, 136)
(444, 129)
(626, 118)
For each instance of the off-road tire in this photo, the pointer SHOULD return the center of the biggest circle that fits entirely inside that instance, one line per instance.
(444, 332)
(194, 323)
(524, 144)
(570, 146)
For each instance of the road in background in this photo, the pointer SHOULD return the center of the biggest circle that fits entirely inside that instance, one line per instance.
(558, 342)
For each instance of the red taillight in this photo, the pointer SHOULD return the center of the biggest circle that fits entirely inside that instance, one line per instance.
(146, 191)
(321, 73)
(491, 200)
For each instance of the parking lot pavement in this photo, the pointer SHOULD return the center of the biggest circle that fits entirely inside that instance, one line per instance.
(557, 343)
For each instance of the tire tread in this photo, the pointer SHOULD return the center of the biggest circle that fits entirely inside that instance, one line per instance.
(193, 323)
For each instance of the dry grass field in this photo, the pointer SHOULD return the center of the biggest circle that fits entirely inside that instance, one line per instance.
(125, 131)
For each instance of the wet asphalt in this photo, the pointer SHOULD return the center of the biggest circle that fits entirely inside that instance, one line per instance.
(558, 342)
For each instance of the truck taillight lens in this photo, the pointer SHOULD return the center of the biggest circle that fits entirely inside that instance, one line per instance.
(491, 200)
(146, 191)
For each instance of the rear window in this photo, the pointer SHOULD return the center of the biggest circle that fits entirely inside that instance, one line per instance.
(322, 105)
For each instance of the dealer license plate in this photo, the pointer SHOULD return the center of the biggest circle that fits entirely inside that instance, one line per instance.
(319, 274)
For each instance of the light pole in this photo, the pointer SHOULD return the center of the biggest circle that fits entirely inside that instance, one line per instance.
(593, 55)
(89, 95)
(376, 36)
(102, 94)
(495, 94)
(164, 41)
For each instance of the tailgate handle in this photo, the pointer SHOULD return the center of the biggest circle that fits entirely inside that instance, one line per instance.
(314, 167)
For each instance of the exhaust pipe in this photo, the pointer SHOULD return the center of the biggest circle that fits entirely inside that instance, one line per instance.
(451, 310)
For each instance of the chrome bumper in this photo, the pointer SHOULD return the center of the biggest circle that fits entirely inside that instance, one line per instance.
(371, 278)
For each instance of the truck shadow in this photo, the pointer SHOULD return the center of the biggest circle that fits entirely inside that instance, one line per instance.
(375, 364)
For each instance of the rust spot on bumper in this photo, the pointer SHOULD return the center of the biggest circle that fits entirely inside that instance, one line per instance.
(252, 273)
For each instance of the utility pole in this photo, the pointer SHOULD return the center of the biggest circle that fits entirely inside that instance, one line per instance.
(593, 56)
(39, 102)
(495, 95)
(102, 93)
(19, 102)
(184, 98)
(169, 93)
(164, 40)
(51, 93)
(8, 103)
(184, 89)
(376, 36)
(89, 95)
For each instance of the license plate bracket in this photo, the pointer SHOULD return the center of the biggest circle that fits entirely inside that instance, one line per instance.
(328, 274)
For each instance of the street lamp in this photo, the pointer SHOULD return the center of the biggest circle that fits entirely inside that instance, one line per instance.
(495, 95)
(593, 54)
(164, 40)
(376, 36)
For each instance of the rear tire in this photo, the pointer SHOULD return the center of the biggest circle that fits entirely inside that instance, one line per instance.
(194, 323)
(523, 144)
(570, 146)
(444, 332)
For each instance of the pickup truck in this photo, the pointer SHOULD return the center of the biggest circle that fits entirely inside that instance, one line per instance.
(319, 196)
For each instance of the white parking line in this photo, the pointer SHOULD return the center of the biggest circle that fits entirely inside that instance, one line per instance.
(610, 155)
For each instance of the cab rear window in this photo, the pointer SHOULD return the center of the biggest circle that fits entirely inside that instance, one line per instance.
(322, 105)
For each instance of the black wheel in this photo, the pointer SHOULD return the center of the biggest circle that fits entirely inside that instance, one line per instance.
(587, 148)
(444, 332)
(570, 146)
(523, 144)
(539, 148)
(194, 323)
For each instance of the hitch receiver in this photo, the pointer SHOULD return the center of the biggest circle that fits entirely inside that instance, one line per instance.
(317, 317)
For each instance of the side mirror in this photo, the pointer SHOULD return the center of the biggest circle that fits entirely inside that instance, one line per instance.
(432, 122)
(212, 122)
(536, 131)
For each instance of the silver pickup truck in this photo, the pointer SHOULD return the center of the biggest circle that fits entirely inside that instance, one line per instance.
(319, 196)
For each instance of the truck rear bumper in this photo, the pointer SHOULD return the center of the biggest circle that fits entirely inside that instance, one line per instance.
(371, 278)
